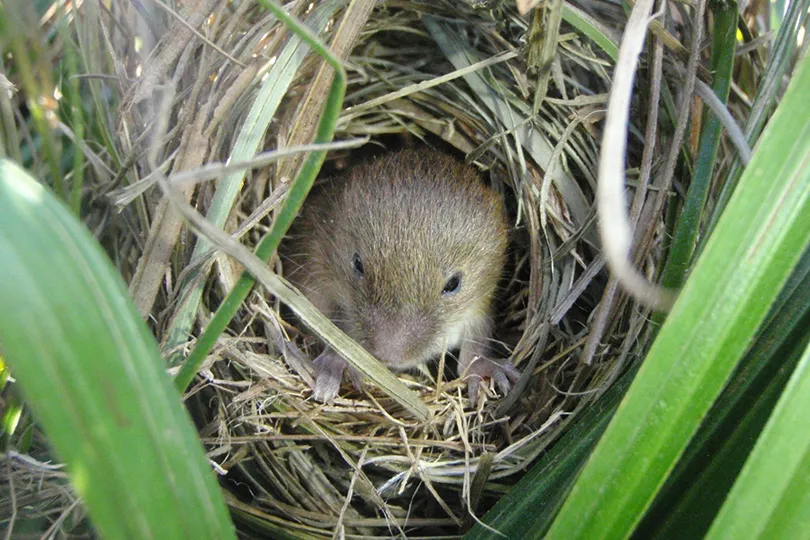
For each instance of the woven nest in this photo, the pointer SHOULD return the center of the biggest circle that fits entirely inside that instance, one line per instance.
(364, 465)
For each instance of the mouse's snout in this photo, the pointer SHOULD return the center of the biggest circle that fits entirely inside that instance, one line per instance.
(398, 340)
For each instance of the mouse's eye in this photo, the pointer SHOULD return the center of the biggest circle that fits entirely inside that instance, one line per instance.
(357, 264)
(452, 285)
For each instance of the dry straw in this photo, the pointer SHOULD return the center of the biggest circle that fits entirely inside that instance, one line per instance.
(227, 81)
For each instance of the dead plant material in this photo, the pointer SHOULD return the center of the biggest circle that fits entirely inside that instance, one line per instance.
(448, 74)
(361, 465)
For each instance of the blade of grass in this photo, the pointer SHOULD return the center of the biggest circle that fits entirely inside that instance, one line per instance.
(20, 34)
(247, 144)
(755, 247)
(293, 202)
(694, 492)
(73, 101)
(543, 36)
(97, 59)
(781, 58)
(457, 52)
(92, 374)
(685, 237)
(604, 38)
(263, 525)
(772, 493)
(700, 486)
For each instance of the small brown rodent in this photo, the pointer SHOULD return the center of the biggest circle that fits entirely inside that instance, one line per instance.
(404, 254)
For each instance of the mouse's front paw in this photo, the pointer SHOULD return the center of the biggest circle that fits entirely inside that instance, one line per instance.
(329, 369)
(503, 373)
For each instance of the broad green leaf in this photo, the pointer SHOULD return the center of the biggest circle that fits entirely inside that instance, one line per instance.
(694, 492)
(92, 373)
(756, 244)
(772, 493)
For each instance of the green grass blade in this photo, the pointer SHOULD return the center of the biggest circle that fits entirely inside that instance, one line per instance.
(604, 37)
(772, 494)
(755, 246)
(686, 232)
(289, 210)
(461, 56)
(20, 36)
(697, 487)
(74, 106)
(92, 374)
(299, 189)
(248, 142)
(781, 57)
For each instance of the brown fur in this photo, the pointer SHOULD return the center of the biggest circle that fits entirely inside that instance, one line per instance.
(415, 218)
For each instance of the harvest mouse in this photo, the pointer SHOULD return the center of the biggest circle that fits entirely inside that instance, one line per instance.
(404, 254)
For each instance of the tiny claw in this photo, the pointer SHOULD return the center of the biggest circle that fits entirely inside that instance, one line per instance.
(473, 384)
(503, 374)
(501, 381)
(506, 377)
(328, 375)
(357, 378)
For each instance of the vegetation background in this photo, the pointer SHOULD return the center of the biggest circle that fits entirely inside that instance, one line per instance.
(116, 120)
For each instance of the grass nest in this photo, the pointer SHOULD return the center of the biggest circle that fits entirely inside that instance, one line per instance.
(362, 465)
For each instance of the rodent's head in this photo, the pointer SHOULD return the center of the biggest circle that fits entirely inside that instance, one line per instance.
(409, 248)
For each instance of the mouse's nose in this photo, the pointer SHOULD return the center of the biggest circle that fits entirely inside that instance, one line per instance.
(394, 340)
(391, 349)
